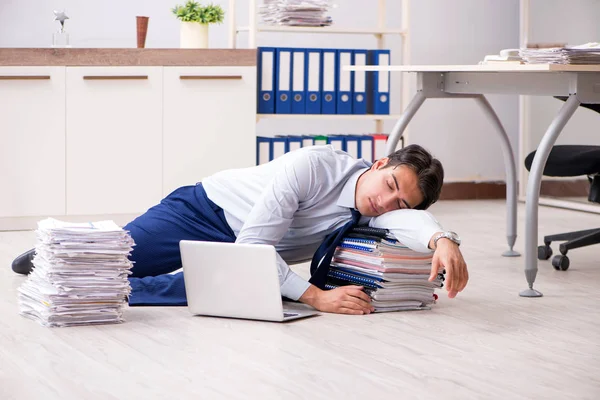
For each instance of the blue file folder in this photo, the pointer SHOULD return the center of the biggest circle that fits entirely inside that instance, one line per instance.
(378, 83)
(278, 147)
(263, 150)
(365, 148)
(343, 82)
(308, 140)
(293, 143)
(337, 141)
(353, 145)
(266, 67)
(283, 77)
(313, 75)
(359, 83)
(328, 81)
(299, 82)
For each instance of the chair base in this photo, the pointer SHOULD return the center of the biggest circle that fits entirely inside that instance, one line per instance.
(574, 240)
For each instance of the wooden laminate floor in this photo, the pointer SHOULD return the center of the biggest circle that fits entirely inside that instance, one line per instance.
(488, 343)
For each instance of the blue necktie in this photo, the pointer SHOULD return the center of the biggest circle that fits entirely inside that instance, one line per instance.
(324, 253)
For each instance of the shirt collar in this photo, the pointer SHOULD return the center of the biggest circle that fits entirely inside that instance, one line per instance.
(347, 197)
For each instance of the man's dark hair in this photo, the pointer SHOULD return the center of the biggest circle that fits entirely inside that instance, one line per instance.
(429, 170)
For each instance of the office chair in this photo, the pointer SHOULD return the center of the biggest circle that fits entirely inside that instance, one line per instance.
(572, 160)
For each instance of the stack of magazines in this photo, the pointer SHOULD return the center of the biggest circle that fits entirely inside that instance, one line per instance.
(80, 274)
(295, 12)
(396, 277)
(588, 53)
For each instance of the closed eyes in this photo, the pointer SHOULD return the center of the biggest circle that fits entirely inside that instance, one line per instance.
(398, 189)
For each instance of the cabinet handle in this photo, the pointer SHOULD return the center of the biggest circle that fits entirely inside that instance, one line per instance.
(23, 77)
(113, 77)
(210, 77)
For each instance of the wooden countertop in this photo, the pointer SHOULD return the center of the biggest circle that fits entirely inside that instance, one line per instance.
(126, 57)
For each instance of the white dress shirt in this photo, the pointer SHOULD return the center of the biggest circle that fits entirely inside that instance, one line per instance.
(296, 200)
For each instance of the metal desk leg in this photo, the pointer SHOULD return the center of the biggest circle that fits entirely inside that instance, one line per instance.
(404, 120)
(511, 176)
(533, 191)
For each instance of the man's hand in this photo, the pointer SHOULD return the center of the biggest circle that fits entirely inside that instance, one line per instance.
(341, 300)
(447, 256)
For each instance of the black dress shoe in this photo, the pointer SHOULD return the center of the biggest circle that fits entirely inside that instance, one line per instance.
(23, 264)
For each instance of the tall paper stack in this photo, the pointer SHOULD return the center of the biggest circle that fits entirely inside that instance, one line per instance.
(80, 274)
(396, 277)
(296, 12)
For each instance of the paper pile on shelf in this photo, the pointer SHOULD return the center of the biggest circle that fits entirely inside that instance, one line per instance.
(396, 277)
(80, 274)
(295, 12)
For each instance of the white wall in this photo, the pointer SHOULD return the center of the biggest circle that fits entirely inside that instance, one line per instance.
(463, 32)
(572, 22)
(442, 32)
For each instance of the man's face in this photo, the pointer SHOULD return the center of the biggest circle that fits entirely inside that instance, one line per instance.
(380, 189)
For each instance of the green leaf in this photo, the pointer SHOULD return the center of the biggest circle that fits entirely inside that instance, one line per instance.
(193, 11)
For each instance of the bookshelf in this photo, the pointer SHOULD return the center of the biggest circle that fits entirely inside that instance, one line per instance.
(350, 117)
(254, 29)
(325, 29)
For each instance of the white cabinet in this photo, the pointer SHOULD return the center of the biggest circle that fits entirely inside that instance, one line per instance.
(113, 139)
(84, 143)
(209, 122)
(32, 141)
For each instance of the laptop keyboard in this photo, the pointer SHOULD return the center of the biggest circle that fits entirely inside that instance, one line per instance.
(289, 314)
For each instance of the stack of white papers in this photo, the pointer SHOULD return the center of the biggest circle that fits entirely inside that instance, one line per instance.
(588, 53)
(506, 56)
(80, 274)
(295, 12)
(552, 55)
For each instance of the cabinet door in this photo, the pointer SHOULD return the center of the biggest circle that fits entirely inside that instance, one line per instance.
(32, 141)
(209, 122)
(114, 139)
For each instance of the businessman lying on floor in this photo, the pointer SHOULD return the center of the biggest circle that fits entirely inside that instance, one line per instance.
(294, 202)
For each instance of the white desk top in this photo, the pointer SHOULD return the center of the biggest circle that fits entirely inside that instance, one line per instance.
(479, 68)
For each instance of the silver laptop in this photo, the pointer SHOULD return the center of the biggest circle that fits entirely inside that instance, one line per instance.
(234, 280)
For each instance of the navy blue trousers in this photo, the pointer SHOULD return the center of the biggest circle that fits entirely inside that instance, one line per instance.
(186, 213)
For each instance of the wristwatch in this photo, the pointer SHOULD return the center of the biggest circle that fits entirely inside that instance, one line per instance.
(448, 235)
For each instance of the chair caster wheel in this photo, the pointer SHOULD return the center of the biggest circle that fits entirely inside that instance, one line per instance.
(544, 252)
(560, 262)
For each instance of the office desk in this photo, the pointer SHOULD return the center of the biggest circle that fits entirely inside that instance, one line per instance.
(580, 82)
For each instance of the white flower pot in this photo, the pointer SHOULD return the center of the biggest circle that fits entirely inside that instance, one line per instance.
(193, 35)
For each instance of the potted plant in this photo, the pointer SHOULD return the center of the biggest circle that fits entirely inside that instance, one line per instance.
(195, 19)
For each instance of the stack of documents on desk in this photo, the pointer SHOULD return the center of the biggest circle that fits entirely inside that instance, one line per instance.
(506, 56)
(552, 55)
(296, 12)
(588, 53)
(396, 277)
(80, 274)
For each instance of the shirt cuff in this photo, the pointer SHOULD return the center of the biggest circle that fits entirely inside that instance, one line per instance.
(293, 287)
(413, 228)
